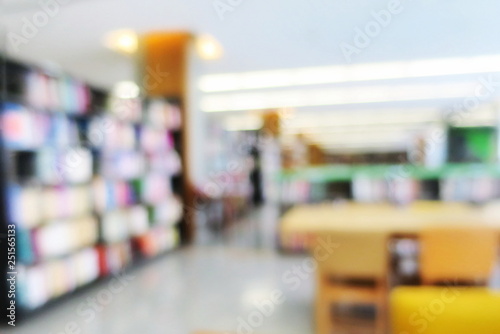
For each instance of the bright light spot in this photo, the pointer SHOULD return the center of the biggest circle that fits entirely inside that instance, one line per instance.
(208, 47)
(126, 90)
(123, 41)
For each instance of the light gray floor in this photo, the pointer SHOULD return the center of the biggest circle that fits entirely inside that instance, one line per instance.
(214, 285)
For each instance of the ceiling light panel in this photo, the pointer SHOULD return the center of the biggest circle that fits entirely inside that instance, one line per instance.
(335, 96)
(348, 73)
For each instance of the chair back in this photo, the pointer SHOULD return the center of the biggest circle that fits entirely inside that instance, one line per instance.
(457, 253)
(358, 254)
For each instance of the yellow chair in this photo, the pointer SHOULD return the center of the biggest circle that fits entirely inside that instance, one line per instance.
(445, 310)
(457, 253)
(352, 273)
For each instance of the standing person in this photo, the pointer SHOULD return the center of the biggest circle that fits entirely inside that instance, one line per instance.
(256, 177)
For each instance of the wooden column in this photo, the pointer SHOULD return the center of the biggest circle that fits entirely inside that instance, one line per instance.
(163, 73)
(316, 155)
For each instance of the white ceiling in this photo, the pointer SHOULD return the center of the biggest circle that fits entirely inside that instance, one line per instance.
(261, 35)
(258, 34)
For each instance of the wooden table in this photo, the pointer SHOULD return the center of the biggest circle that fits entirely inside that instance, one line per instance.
(301, 224)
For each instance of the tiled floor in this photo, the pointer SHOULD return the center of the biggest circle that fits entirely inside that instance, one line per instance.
(224, 283)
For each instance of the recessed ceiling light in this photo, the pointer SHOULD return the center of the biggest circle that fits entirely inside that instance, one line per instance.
(123, 41)
(208, 47)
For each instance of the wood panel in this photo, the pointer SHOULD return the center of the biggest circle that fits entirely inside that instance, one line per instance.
(164, 66)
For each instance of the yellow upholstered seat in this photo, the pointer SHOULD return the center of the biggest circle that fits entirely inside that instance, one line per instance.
(445, 310)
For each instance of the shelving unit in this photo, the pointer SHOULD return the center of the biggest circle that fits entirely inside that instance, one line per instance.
(475, 182)
(461, 165)
(91, 182)
(228, 191)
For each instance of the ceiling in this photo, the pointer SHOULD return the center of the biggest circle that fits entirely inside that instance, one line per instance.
(262, 35)
(257, 34)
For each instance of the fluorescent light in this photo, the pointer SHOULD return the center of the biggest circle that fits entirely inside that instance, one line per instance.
(366, 137)
(243, 123)
(208, 47)
(350, 118)
(348, 73)
(354, 129)
(123, 41)
(334, 96)
(478, 117)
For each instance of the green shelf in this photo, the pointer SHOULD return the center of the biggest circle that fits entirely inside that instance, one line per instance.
(339, 173)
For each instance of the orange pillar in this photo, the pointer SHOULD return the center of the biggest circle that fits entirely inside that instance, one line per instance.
(163, 73)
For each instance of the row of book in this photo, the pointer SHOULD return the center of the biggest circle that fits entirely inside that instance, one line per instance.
(129, 165)
(77, 165)
(67, 166)
(56, 93)
(31, 206)
(114, 194)
(109, 134)
(157, 240)
(297, 191)
(163, 114)
(39, 283)
(155, 112)
(39, 244)
(24, 129)
(123, 224)
(401, 191)
(58, 239)
(471, 189)
(478, 189)
(115, 257)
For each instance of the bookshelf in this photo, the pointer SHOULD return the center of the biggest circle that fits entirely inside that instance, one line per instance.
(461, 164)
(90, 182)
(473, 182)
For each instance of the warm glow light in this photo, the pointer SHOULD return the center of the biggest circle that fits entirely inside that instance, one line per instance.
(348, 73)
(208, 47)
(123, 41)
